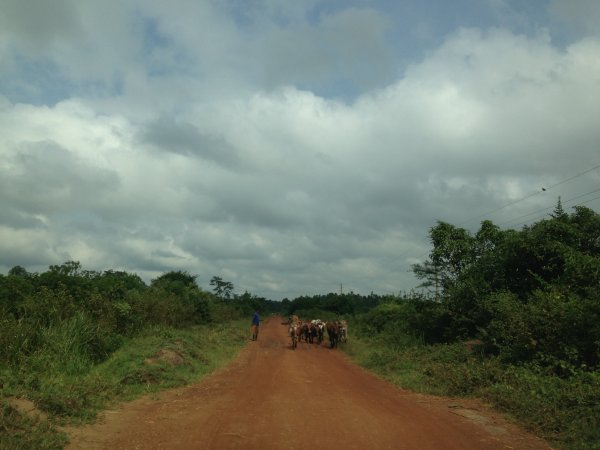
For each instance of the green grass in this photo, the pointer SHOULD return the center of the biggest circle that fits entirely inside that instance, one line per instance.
(565, 411)
(20, 432)
(74, 391)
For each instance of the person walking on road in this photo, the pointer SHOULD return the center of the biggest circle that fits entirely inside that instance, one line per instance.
(255, 325)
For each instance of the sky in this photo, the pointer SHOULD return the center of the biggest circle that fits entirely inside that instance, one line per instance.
(291, 148)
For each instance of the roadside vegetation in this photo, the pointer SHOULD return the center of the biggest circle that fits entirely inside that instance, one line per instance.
(511, 317)
(73, 342)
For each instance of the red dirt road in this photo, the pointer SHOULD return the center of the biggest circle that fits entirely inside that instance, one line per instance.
(272, 397)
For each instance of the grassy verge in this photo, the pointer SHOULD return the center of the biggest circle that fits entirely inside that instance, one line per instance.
(566, 412)
(157, 359)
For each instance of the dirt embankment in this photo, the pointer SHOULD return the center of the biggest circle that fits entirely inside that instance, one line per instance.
(272, 397)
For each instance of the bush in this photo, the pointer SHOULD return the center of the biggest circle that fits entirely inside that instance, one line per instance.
(564, 410)
(18, 338)
(558, 331)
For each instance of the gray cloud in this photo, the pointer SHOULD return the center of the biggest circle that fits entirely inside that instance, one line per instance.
(15, 217)
(39, 24)
(581, 15)
(45, 177)
(348, 48)
(186, 139)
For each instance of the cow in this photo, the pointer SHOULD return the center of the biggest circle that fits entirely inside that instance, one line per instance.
(294, 334)
(343, 327)
(333, 332)
(320, 326)
(304, 331)
(312, 332)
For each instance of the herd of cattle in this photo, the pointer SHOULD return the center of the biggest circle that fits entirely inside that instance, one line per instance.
(313, 331)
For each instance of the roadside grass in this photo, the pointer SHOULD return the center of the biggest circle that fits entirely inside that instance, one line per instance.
(74, 392)
(165, 358)
(20, 431)
(564, 411)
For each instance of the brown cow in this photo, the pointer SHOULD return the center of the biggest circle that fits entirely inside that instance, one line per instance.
(312, 332)
(304, 332)
(333, 331)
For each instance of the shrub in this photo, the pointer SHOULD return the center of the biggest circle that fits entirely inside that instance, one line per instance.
(564, 410)
(556, 330)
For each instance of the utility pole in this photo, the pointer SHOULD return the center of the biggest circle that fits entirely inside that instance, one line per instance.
(341, 289)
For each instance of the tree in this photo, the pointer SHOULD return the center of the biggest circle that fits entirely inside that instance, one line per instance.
(488, 238)
(19, 271)
(453, 251)
(430, 274)
(69, 268)
(223, 289)
(179, 277)
(559, 212)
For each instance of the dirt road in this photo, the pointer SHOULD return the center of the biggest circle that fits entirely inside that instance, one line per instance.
(272, 397)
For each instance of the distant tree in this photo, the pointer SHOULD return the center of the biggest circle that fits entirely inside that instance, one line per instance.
(177, 276)
(19, 271)
(175, 299)
(246, 296)
(559, 212)
(69, 277)
(69, 268)
(453, 251)
(223, 289)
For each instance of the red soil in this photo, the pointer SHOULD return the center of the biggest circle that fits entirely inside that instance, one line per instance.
(273, 397)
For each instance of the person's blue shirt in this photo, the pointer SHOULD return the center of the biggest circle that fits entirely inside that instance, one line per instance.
(255, 319)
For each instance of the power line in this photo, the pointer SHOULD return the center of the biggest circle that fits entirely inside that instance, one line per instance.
(541, 217)
(543, 189)
(534, 212)
(548, 207)
(500, 208)
(590, 200)
(574, 176)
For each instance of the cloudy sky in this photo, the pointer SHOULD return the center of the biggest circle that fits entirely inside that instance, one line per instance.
(290, 147)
